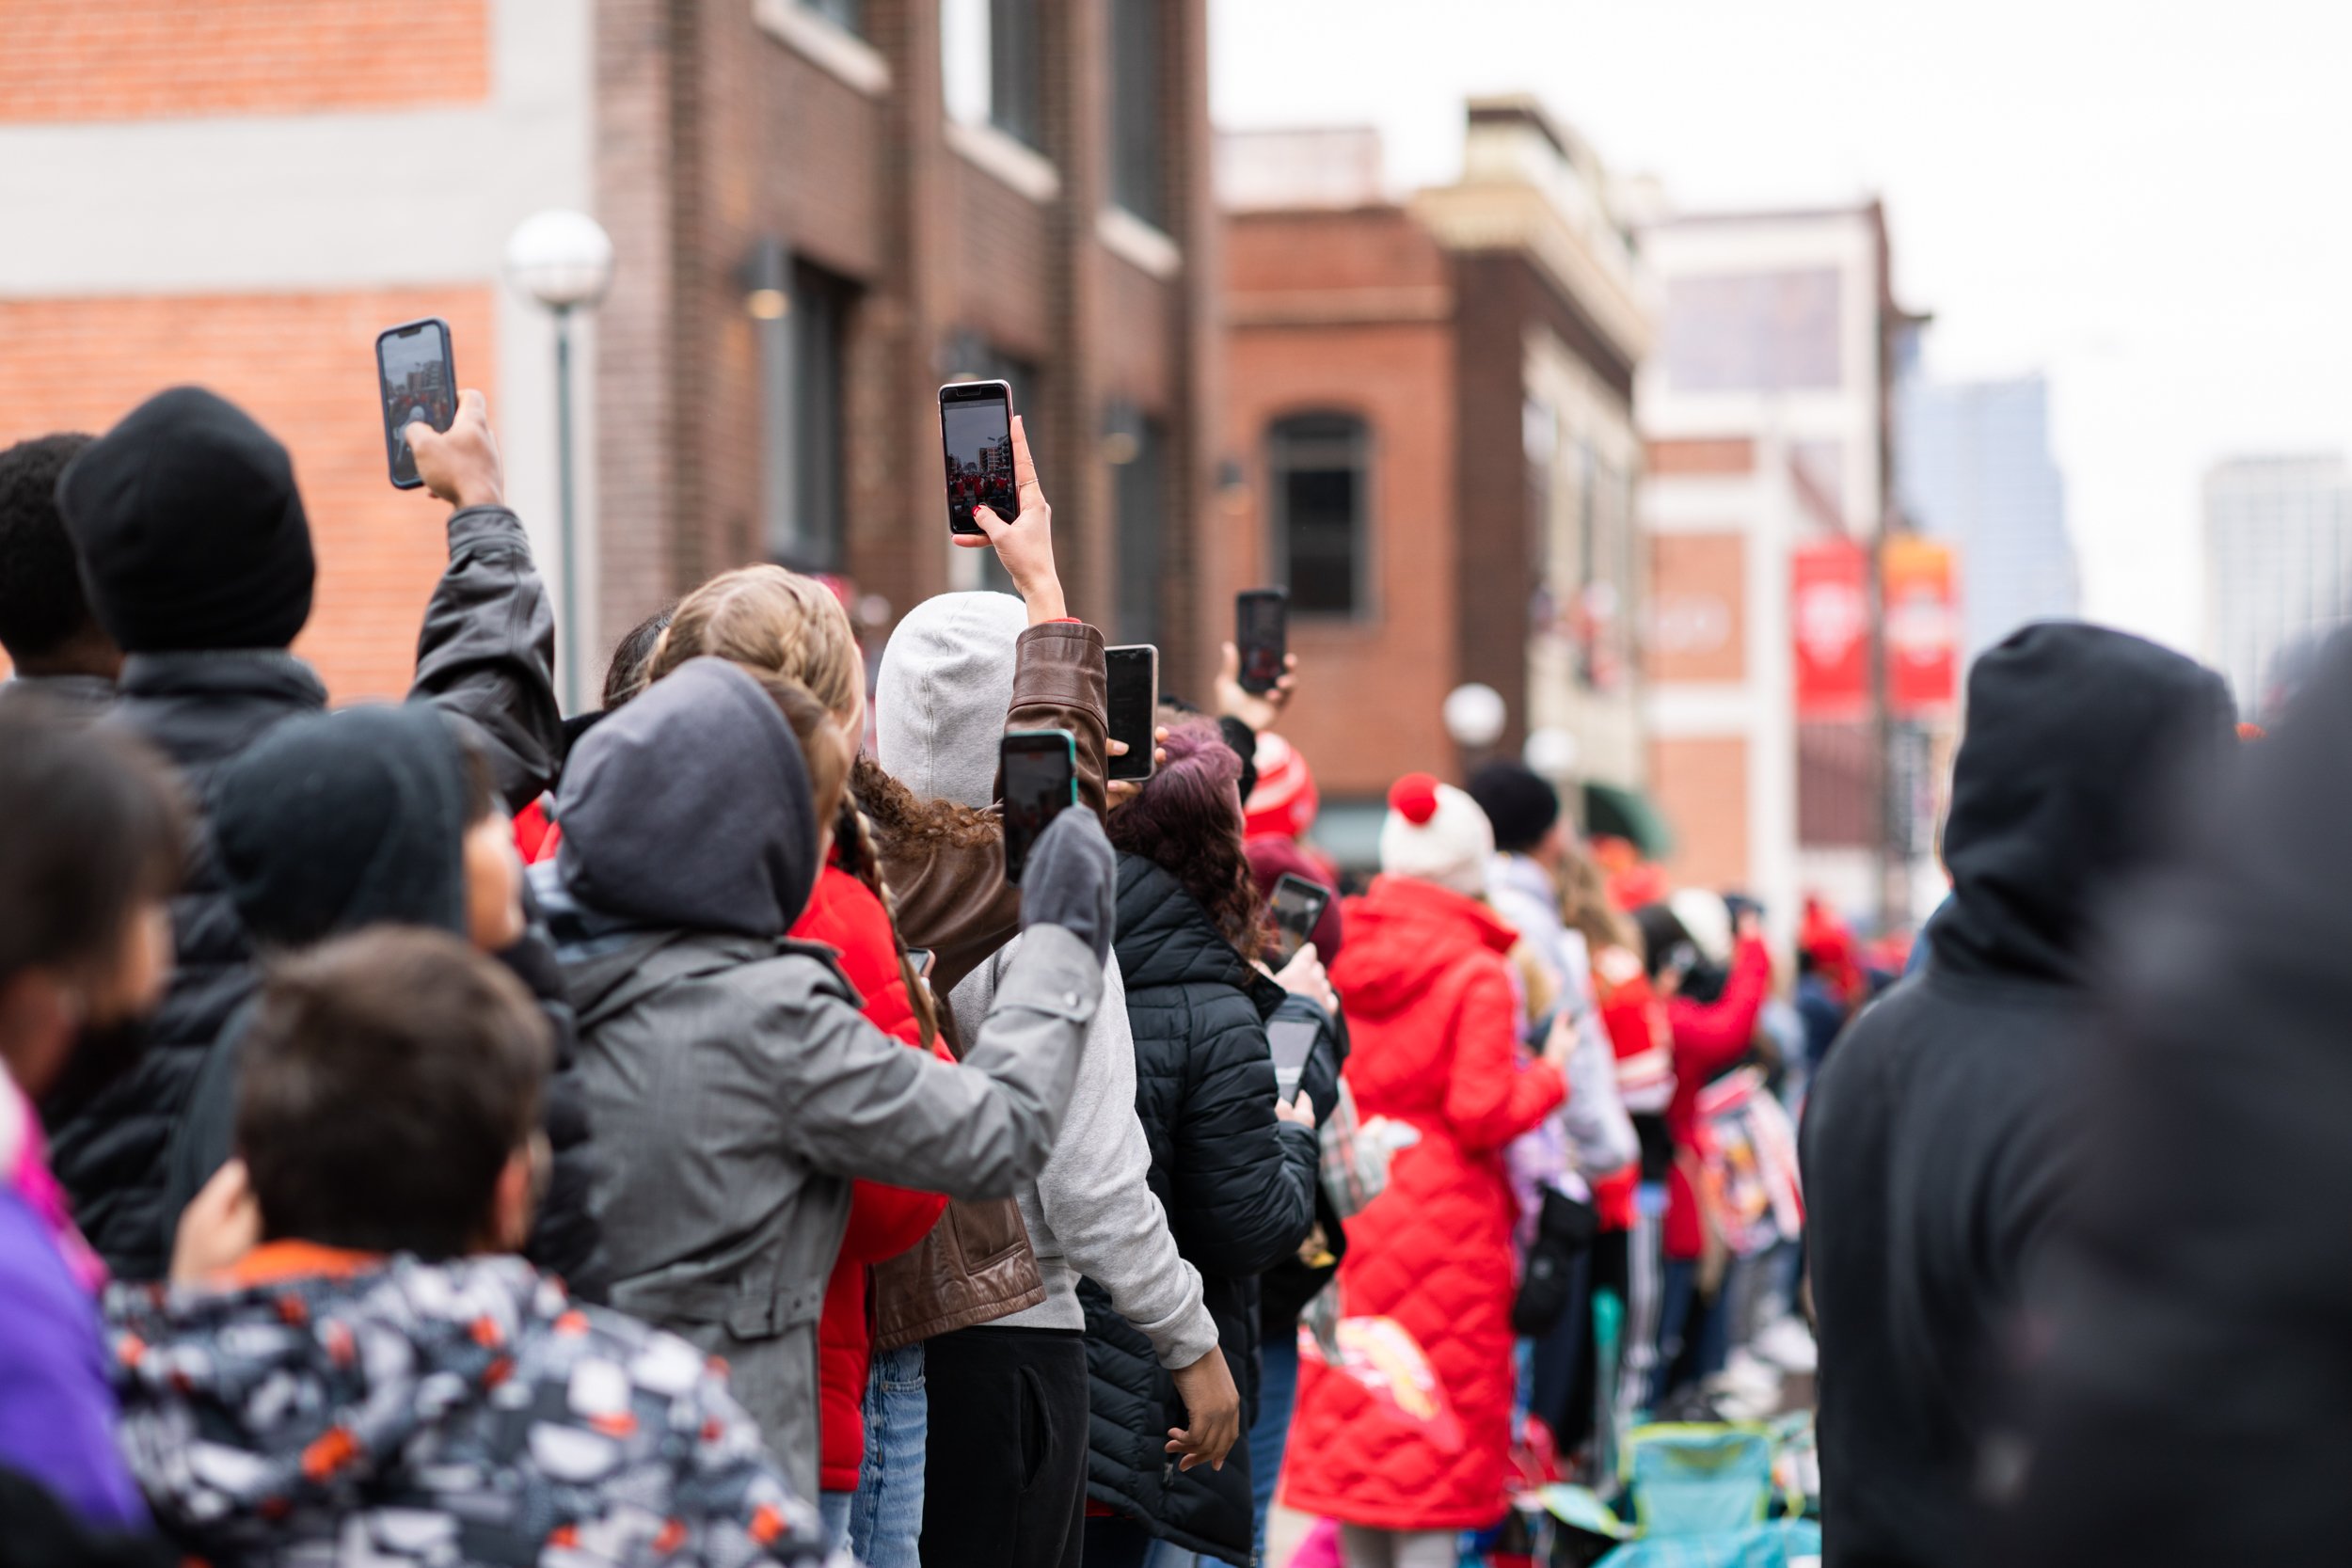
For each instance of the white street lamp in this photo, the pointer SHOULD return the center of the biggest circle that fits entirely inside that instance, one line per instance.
(564, 259)
(1474, 715)
(1550, 751)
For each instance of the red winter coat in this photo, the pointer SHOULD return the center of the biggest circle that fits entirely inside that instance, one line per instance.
(1644, 1043)
(1430, 1015)
(1708, 1037)
(843, 914)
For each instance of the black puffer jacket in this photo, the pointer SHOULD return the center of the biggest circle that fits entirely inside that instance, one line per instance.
(1238, 1186)
(486, 656)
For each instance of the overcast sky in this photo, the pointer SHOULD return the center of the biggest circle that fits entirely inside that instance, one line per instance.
(2148, 200)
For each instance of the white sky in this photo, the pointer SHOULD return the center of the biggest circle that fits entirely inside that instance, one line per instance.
(2149, 200)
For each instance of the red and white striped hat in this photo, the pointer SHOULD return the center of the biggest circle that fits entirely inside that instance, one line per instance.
(1284, 803)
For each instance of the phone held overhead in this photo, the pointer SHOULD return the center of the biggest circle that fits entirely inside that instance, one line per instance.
(976, 434)
(1133, 696)
(1261, 632)
(1040, 774)
(416, 380)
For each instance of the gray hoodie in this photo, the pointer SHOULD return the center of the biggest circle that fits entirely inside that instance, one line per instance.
(734, 1084)
(947, 679)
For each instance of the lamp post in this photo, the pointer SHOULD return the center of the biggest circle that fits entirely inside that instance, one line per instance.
(564, 259)
(1475, 716)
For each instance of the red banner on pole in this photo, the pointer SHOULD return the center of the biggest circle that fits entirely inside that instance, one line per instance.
(1831, 619)
(1922, 627)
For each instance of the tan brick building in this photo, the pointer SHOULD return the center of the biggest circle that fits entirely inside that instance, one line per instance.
(1428, 439)
(820, 208)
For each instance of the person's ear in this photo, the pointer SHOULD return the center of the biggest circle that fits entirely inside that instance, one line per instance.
(40, 1018)
(511, 1204)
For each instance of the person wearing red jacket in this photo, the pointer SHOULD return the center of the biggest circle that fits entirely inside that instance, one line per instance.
(848, 915)
(1405, 1442)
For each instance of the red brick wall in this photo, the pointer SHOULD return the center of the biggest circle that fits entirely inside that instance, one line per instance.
(146, 59)
(303, 366)
(1730, 454)
(1701, 783)
(1697, 608)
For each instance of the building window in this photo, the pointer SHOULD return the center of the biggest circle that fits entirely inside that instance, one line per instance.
(990, 65)
(1137, 47)
(1318, 478)
(1137, 447)
(800, 383)
(848, 15)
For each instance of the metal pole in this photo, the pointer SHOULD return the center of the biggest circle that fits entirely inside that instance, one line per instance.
(568, 625)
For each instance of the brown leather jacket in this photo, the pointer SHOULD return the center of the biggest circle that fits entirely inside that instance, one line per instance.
(976, 1266)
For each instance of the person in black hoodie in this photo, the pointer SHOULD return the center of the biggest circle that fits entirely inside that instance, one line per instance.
(196, 552)
(1235, 1170)
(381, 815)
(1944, 1133)
(2186, 1396)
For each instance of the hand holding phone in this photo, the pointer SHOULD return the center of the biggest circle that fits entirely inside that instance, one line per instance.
(1040, 774)
(1131, 692)
(1296, 909)
(1291, 1041)
(1261, 634)
(461, 466)
(993, 497)
(415, 376)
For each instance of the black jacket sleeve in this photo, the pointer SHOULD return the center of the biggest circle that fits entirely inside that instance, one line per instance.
(566, 1236)
(1244, 1182)
(486, 653)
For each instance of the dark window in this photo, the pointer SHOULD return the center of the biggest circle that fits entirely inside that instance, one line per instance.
(1318, 475)
(843, 13)
(800, 427)
(1142, 497)
(1137, 181)
(1015, 73)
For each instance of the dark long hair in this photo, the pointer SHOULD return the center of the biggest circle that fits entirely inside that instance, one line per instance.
(1187, 821)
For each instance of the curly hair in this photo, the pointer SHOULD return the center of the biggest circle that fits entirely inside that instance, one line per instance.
(1187, 821)
(767, 618)
(905, 825)
(41, 605)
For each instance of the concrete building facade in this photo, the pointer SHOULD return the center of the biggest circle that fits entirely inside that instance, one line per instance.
(2278, 569)
(1428, 438)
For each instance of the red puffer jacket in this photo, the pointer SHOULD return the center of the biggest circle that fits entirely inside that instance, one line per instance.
(1708, 1037)
(1638, 1034)
(1430, 1015)
(843, 914)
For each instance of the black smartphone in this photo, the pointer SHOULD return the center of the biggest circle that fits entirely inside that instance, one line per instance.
(1040, 774)
(975, 432)
(919, 961)
(1133, 689)
(417, 380)
(1261, 617)
(1297, 906)
(1292, 1041)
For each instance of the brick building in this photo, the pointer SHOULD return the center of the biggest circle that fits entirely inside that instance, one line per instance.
(1428, 439)
(820, 209)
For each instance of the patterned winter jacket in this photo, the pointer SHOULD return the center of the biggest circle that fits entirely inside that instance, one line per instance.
(333, 1408)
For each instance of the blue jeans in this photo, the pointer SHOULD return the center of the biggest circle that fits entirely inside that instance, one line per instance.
(885, 1513)
(1277, 1393)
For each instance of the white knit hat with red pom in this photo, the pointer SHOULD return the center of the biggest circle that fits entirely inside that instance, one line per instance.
(1434, 832)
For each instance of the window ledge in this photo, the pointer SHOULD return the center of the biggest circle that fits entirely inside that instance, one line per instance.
(825, 43)
(1009, 158)
(1127, 236)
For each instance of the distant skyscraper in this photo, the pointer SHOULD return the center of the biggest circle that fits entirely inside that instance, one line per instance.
(1974, 468)
(2277, 565)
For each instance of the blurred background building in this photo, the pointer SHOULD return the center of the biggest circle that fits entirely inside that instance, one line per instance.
(1429, 440)
(2278, 569)
(1976, 470)
(1774, 681)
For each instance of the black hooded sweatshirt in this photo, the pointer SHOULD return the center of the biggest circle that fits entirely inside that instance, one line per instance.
(2191, 1399)
(1941, 1134)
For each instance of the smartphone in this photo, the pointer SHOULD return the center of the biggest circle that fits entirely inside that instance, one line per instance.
(1292, 1041)
(975, 432)
(1040, 774)
(919, 959)
(1259, 620)
(417, 380)
(1297, 906)
(1133, 687)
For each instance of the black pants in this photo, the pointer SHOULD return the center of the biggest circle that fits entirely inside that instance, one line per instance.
(1005, 1478)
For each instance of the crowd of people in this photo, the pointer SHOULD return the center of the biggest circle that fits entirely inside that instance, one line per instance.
(451, 1132)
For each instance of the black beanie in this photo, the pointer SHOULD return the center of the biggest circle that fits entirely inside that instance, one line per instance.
(189, 530)
(1520, 803)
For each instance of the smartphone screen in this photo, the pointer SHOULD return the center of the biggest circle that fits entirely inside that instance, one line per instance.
(919, 961)
(1134, 696)
(975, 428)
(417, 380)
(1291, 1041)
(1040, 772)
(1258, 633)
(1297, 904)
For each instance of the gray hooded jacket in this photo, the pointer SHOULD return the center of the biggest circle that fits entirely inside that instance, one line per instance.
(734, 1085)
(946, 678)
